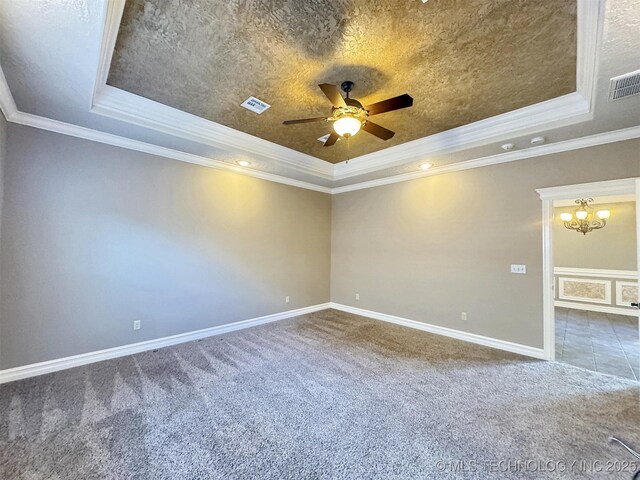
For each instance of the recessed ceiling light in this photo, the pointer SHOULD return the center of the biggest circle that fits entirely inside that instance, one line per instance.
(507, 147)
(537, 140)
(426, 166)
(243, 163)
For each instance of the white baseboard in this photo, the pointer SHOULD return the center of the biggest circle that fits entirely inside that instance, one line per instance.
(447, 332)
(49, 366)
(597, 308)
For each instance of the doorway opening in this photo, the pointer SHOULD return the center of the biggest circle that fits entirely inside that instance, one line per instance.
(595, 280)
(591, 254)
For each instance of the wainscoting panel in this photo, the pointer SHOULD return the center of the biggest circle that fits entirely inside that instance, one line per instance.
(591, 289)
(585, 290)
(626, 293)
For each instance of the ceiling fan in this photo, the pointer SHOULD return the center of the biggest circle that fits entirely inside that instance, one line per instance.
(349, 115)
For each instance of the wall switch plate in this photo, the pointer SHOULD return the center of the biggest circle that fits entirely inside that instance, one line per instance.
(286, 299)
(357, 296)
(521, 269)
(136, 324)
(463, 316)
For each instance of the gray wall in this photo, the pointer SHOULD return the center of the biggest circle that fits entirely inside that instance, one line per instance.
(612, 248)
(95, 236)
(3, 144)
(431, 248)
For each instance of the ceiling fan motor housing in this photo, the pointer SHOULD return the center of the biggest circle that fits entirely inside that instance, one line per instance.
(347, 86)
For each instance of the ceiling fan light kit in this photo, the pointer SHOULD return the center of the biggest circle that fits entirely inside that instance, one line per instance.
(349, 116)
(347, 125)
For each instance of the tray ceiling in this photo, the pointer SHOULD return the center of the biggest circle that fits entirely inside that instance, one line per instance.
(462, 61)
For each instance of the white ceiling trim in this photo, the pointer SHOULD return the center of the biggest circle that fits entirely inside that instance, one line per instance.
(568, 108)
(115, 140)
(125, 106)
(558, 112)
(128, 107)
(130, 144)
(575, 144)
(112, 13)
(12, 114)
(571, 202)
(591, 14)
(625, 186)
(7, 104)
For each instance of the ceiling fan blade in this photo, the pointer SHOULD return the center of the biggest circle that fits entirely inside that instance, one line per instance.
(377, 130)
(333, 94)
(333, 138)
(304, 120)
(395, 103)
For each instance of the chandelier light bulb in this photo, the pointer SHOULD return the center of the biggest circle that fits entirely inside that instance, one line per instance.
(566, 217)
(604, 214)
(347, 126)
(581, 214)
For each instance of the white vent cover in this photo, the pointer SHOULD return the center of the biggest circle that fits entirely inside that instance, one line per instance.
(255, 105)
(625, 85)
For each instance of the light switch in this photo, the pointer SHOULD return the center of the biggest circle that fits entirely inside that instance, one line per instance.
(521, 269)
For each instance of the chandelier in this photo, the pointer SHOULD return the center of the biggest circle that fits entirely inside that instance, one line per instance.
(586, 218)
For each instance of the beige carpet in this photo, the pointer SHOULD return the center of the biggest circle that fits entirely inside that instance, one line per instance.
(326, 395)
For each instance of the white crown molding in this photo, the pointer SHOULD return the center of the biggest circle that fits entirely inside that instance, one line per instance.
(562, 111)
(591, 15)
(130, 144)
(7, 104)
(112, 13)
(127, 107)
(596, 273)
(620, 187)
(558, 112)
(567, 145)
(35, 369)
(569, 107)
(596, 200)
(624, 186)
(444, 331)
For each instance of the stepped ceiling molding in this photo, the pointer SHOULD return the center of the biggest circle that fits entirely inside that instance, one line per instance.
(460, 61)
(167, 78)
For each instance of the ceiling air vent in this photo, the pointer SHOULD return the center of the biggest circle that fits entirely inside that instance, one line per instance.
(255, 105)
(625, 85)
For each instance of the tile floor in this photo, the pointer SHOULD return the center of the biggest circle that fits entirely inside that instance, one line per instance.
(602, 342)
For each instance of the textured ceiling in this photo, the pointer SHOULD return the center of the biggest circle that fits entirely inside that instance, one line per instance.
(461, 60)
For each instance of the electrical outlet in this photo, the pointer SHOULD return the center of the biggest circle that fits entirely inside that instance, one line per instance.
(357, 296)
(520, 269)
(136, 324)
(286, 299)
(463, 316)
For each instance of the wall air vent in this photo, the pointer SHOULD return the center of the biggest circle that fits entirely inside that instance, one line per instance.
(624, 85)
(255, 105)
